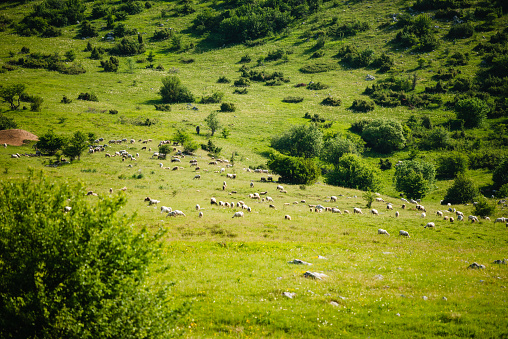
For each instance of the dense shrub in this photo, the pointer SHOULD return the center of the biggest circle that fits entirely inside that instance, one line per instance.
(353, 172)
(485, 158)
(364, 106)
(451, 165)
(242, 82)
(500, 174)
(414, 178)
(7, 123)
(163, 34)
(418, 32)
(227, 107)
(462, 85)
(458, 59)
(36, 103)
(347, 29)
(317, 54)
(385, 164)
(215, 98)
(299, 141)
(87, 30)
(111, 65)
(316, 86)
(49, 143)
(461, 31)
(65, 100)
(436, 138)
(462, 191)
(294, 170)
(88, 96)
(318, 67)
(483, 208)
(384, 136)
(275, 55)
(329, 101)
(291, 99)
(335, 148)
(127, 47)
(354, 57)
(383, 62)
(172, 91)
(211, 147)
(472, 111)
(240, 91)
(245, 59)
(223, 80)
(163, 107)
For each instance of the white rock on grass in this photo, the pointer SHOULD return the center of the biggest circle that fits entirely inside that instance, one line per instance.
(289, 295)
(299, 262)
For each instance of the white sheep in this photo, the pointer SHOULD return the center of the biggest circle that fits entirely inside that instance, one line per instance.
(336, 210)
(200, 214)
(500, 220)
(439, 213)
(430, 224)
(269, 199)
(67, 209)
(197, 176)
(451, 219)
(333, 198)
(389, 207)
(238, 215)
(423, 215)
(251, 184)
(175, 213)
(287, 217)
(397, 214)
(213, 201)
(404, 233)
(357, 210)
(346, 212)
(382, 231)
(279, 187)
(198, 207)
(374, 212)
(379, 200)
(165, 209)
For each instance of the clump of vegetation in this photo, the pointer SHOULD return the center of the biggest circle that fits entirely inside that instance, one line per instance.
(275, 55)
(318, 67)
(113, 111)
(383, 136)
(483, 208)
(294, 170)
(88, 96)
(414, 178)
(347, 29)
(299, 141)
(173, 91)
(245, 59)
(111, 65)
(417, 32)
(211, 147)
(385, 164)
(318, 54)
(242, 82)
(163, 34)
(462, 191)
(314, 118)
(452, 165)
(7, 123)
(360, 105)
(353, 57)
(353, 172)
(330, 101)
(65, 100)
(227, 107)
(223, 80)
(461, 31)
(187, 60)
(291, 99)
(163, 107)
(240, 91)
(127, 47)
(215, 98)
(316, 86)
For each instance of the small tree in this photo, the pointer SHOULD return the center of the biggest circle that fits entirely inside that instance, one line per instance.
(11, 94)
(472, 111)
(353, 172)
(181, 137)
(384, 136)
(86, 30)
(500, 175)
(76, 145)
(300, 141)
(335, 148)
(369, 198)
(70, 55)
(294, 170)
(414, 178)
(213, 122)
(172, 91)
(483, 208)
(36, 103)
(463, 190)
(111, 65)
(70, 267)
(449, 166)
(50, 143)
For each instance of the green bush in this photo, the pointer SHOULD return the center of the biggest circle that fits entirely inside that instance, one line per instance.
(49, 143)
(299, 141)
(414, 178)
(329, 101)
(503, 191)
(223, 80)
(75, 145)
(461, 31)
(353, 172)
(172, 91)
(86, 30)
(111, 65)
(245, 59)
(451, 165)
(163, 107)
(242, 82)
(318, 54)
(215, 98)
(127, 47)
(7, 123)
(462, 191)
(364, 106)
(88, 97)
(458, 59)
(316, 86)
(65, 100)
(227, 107)
(211, 147)
(292, 99)
(240, 91)
(384, 135)
(472, 111)
(294, 170)
(436, 138)
(483, 208)
(36, 103)
(163, 34)
(318, 67)
(500, 174)
(335, 148)
(68, 273)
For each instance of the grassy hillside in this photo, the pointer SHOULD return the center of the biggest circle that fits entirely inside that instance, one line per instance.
(235, 270)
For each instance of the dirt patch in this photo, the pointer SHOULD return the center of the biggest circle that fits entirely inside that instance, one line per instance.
(15, 137)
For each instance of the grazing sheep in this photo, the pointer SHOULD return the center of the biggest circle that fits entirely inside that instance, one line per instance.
(198, 207)
(396, 214)
(389, 207)
(500, 220)
(272, 206)
(356, 210)
(110, 190)
(287, 217)
(175, 213)
(251, 184)
(451, 219)
(269, 199)
(374, 212)
(165, 209)
(213, 201)
(333, 198)
(346, 212)
(423, 215)
(403, 206)
(67, 209)
(382, 231)
(404, 233)
(439, 213)
(238, 215)
(280, 188)
(200, 214)
(379, 200)
(446, 217)
(336, 210)
(197, 176)
(430, 224)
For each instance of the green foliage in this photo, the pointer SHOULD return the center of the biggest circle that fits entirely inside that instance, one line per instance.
(88, 96)
(111, 65)
(347, 29)
(336, 147)
(172, 91)
(165, 149)
(87, 30)
(213, 122)
(384, 135)
(76, 145)
(500, 174)
(461, 31)
(385, 164)
(190, 146)
(330, 101)
(227, 107)
(353, 172)
(242, 82)
(127, 47)
(414, 178)
(69, 273)
(293, 100)
(503, 191)
(163, 34)
(355, 58)
(436, 138)
(383, 62)
(462, 191)
(65, 100)
(299, 141)
(225, 133)
(369, 197)
(212, 99)
(451, 165)
(472, 111)
(181, 137)
(418, 32)
(294, 170)
(458, 59)
(316, 86)
(223, 80)
(360, 105)
(163, 107)
(36, 103)
(70, 55)
(318, 67)
(11, 94)
(7, 123)
(483, 208)
(211, 147)
(49, 143)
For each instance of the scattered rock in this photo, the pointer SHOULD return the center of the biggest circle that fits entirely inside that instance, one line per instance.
(289, 295)
(476, 266)
(299, 262)
(370, 77)
(314, 275)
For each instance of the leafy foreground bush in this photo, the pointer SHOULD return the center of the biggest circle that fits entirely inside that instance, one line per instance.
(463, 190)
(294, 170)
(353, 172)
(74, 270)
(414, 178)
(172, 91)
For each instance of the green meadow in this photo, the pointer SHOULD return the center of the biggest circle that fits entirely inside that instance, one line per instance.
(235, 271)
